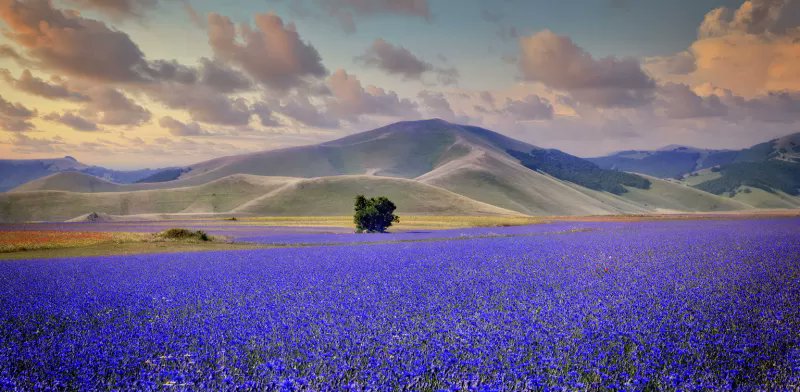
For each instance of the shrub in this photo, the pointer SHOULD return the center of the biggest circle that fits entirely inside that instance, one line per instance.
(185, 234)
(374, 215)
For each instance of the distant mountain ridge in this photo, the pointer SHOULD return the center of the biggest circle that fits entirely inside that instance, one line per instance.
(676, 161)
(670, 162)
(15, 172)
(428, 167)
(772, 167)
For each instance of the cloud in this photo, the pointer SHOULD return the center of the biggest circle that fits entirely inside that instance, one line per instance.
(752, 17)
(352, 100)
(222, 78)
(751, 50)
(27, 144)
(447, 76)
(394, 60)
(36, 86)
(170, 71)
(14, 117)
(559, 63)
(8, 52)
(529, 108)
(680, 63)
(435, 104)
(272, 53)
(300, 108)
(680, 102)
(397, 60)
(73, 121)
(118, 9)
(193, 15)
(748, 64)
(178, 128)
(346, 11)
(773, 107)
(112, 107)
(265, 115)
(202, 103)
(70, 43)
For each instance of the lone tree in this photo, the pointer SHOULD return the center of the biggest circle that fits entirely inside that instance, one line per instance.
(374, 215)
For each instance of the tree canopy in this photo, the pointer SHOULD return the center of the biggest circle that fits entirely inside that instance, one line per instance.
(374, 215)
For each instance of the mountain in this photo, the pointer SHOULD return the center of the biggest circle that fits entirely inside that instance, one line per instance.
(772, 167)
(15, 172)
(678, 161)
(667, 162)
(426, 167)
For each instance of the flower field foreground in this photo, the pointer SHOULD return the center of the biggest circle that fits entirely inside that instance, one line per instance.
(684, 305)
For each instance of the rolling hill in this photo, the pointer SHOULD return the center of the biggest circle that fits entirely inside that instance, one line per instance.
(426, 167)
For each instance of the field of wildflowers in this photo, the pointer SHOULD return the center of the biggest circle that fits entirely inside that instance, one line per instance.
(20, 240)
(679, 305)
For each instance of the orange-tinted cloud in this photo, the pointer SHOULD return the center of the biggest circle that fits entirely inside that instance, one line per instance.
(272, 53)
(748, 64)
(559, 63)
(67, 42)
(751, 50)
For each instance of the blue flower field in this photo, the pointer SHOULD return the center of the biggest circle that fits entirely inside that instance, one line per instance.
(673, 305)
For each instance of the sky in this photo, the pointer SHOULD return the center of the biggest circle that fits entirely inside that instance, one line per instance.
(154, 83)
